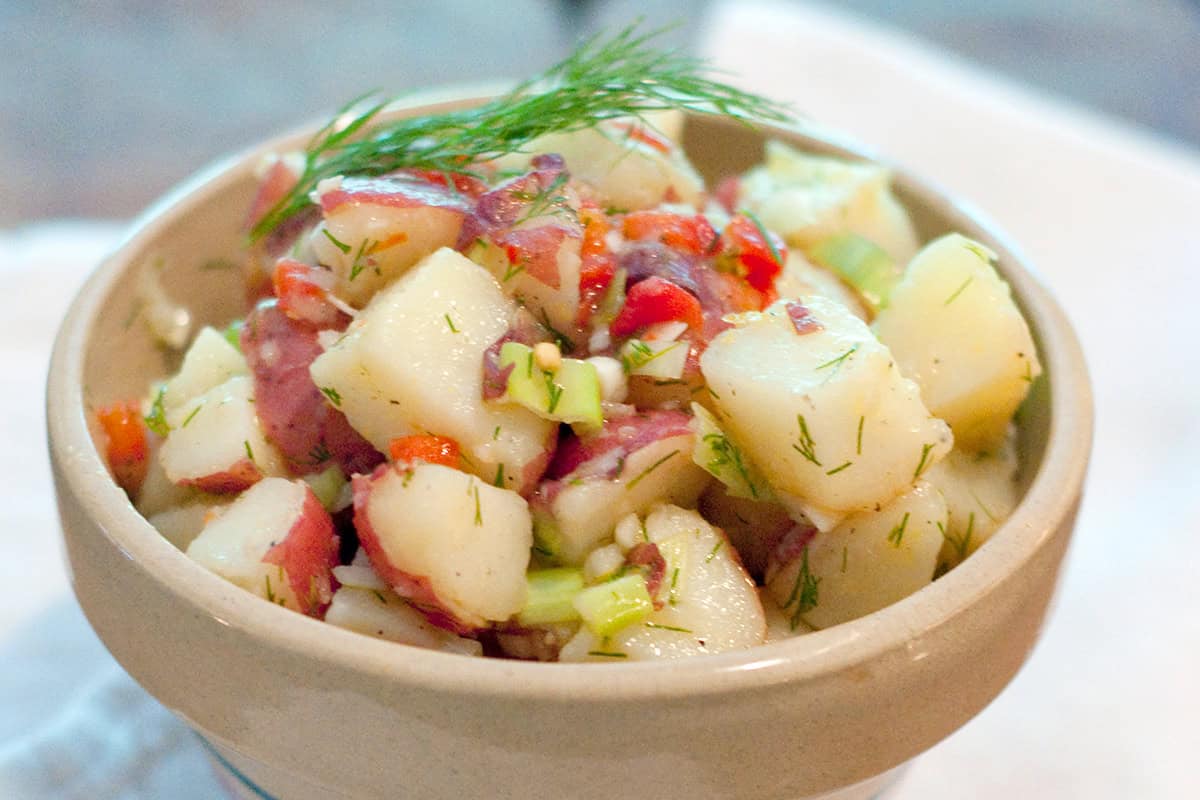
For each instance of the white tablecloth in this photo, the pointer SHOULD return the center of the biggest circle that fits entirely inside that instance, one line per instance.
(1106, 708)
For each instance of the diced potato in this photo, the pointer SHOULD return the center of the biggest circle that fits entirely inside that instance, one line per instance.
(980, 490)
(955, 330)
(825, 415)
(216, 443)
(369, 244)
(209, 362)
(412, 364)
(806, 198)
(556, 305)
(275, 540)
(384, 615)
(627, 171)
(469, 540)
(584, 514)
(709, 603)
(871, 560)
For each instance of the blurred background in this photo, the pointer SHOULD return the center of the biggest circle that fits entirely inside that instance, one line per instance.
(104, 105)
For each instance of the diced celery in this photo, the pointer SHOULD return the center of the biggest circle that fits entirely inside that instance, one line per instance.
(526, 384)
(233, 334)
(547, 541)
(327, 485)
(570, 393)
(657, 359)
(614, 297)
(608, 607)
(580, 401)
(860, 262)
(550, 592)
(716, 453)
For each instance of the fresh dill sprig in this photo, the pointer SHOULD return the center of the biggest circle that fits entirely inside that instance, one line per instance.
(605, 78)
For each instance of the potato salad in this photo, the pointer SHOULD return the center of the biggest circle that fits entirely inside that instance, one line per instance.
(547, 395)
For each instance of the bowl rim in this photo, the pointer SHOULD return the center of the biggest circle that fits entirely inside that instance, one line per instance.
(1044, 506)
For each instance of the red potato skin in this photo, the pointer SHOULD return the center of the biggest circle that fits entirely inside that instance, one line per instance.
(239, 477)
(628, 434)
(400, 190)
(535, 250)
(278, 181)
(308, 555)
(294, 413)
(414, 588)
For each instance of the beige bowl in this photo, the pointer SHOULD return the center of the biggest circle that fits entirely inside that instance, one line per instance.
(295, 708)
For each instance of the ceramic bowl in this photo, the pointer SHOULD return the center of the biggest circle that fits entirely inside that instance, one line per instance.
(290, 707)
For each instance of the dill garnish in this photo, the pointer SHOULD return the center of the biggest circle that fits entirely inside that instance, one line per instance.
(896, 536)
(923, 463)
(605, 78)
(156, 420)
(334, 396)
(805, 591)
(958, 291)
(807, 447)
(651, 468)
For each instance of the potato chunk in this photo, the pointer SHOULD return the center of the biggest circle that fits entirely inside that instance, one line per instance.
(210, 361)
(463, 543)
(216, 443)
(629, 166)
(981, 491)
(825, 414)
(411, 364)
(807, 198)
(869, 561)
(955, 330)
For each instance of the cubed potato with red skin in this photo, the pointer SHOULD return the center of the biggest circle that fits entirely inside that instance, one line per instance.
(451, 544)
(303, 423)
(216, 443)
(629, 465)
(277, 541)
(374, 229)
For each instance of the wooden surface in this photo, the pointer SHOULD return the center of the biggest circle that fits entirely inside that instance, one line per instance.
(105, 105)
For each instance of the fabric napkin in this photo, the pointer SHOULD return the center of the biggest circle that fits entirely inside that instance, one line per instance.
(1107, 213)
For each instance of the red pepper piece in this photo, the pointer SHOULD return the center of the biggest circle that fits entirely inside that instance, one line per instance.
(300, 296)
(759, 254)
(430, 449)
(127, 449)
(598, 266)
(656, 300)
(689, 234)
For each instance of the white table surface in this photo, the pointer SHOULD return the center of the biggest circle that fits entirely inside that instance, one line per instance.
(1108, 705)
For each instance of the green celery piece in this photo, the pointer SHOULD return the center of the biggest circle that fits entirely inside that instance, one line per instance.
(233, 334)
(327, 485)
(608, 607)
(576, 383)
(547, 541)
(580, 401)
(550, 592)
(526, 385)
(716, 453)
(861, 263)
